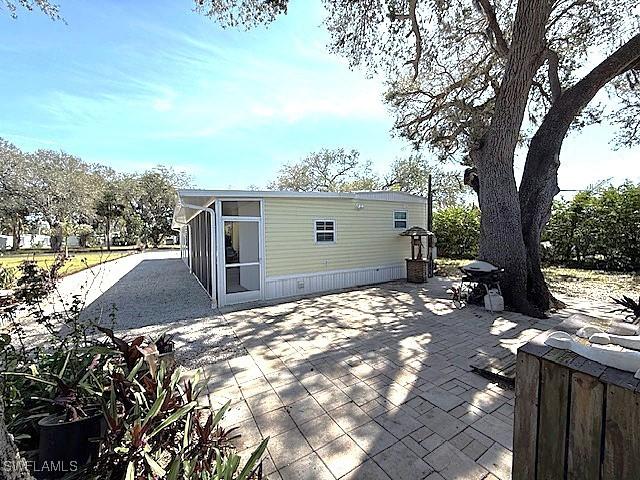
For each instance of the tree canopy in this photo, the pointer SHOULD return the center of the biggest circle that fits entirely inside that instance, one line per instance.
(327, 170)
(444, 61)
(411, 174)
(50, 9)
(339, 170)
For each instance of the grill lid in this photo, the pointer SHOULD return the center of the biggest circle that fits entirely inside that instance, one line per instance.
(479, 266)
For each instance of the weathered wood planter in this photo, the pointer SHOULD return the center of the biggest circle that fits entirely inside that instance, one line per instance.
(574, 418)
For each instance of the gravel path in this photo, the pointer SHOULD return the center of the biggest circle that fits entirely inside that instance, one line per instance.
(153, 292)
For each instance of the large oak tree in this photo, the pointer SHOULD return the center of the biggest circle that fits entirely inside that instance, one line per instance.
(473, 80)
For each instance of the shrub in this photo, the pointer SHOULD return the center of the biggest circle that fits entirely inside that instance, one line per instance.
(457, 231)
(62, 373)
(598, 229)
(155, 425)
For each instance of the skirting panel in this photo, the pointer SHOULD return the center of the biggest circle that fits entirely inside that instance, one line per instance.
(305, 283)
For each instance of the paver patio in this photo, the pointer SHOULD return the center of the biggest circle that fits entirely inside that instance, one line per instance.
(373, 383)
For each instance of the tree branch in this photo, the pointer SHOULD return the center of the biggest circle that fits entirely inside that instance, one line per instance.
(539, 183)
(554, 78)
(542, 91)
(415, 28)
(499, 43)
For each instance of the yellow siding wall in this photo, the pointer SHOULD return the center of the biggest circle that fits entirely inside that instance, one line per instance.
(365, 237)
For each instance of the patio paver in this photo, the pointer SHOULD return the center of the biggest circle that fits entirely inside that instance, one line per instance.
(373, 383)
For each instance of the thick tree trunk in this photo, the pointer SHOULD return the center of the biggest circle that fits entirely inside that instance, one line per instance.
(56, 242)
(56, 238)
(107, 233)
(540, 177)
(501, 241)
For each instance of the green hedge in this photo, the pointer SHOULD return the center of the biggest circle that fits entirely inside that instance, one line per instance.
(596, 230)
(457, 231)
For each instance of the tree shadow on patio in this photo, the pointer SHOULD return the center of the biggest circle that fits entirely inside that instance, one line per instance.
(373, 382)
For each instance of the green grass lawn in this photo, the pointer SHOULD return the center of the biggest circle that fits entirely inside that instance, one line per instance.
(588, 284)
(78, 261)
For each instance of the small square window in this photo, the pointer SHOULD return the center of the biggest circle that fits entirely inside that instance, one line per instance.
(324, 231)
(400, 219)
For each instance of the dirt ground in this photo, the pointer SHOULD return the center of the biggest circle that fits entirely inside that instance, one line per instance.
(592, 285)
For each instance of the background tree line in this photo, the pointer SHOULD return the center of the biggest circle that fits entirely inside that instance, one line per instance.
(74, 197)
(340, 170)
(599, 228)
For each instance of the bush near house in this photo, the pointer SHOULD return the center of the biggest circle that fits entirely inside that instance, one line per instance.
(598, 229)
(457, 231)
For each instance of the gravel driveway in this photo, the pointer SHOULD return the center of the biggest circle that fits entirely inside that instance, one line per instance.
(153, 292)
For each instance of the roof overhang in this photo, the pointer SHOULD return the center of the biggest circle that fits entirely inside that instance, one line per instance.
(189, 206)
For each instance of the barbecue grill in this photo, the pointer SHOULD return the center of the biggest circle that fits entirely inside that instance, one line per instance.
(479, 279)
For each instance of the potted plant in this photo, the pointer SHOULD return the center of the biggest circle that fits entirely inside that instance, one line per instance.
(69, 439)
(157, 429)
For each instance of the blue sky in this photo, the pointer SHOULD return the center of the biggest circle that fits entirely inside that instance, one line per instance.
(135, 84)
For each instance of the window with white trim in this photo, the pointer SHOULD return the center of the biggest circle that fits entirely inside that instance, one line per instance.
(324, 231)
(400, 219)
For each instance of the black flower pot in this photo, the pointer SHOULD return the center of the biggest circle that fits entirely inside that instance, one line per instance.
(65, 446)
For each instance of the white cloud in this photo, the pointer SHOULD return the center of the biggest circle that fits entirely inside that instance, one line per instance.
(209, 88)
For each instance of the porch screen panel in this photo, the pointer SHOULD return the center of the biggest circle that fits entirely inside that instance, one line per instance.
(193, 245)
(201, 251)
(206, 254)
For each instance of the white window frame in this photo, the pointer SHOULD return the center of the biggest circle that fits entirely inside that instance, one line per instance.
(405, 219)
(316, 231)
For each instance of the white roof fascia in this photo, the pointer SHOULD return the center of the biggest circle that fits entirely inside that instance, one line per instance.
(367, 195)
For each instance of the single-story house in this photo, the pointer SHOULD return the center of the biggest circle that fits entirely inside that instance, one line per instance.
(244, 246)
